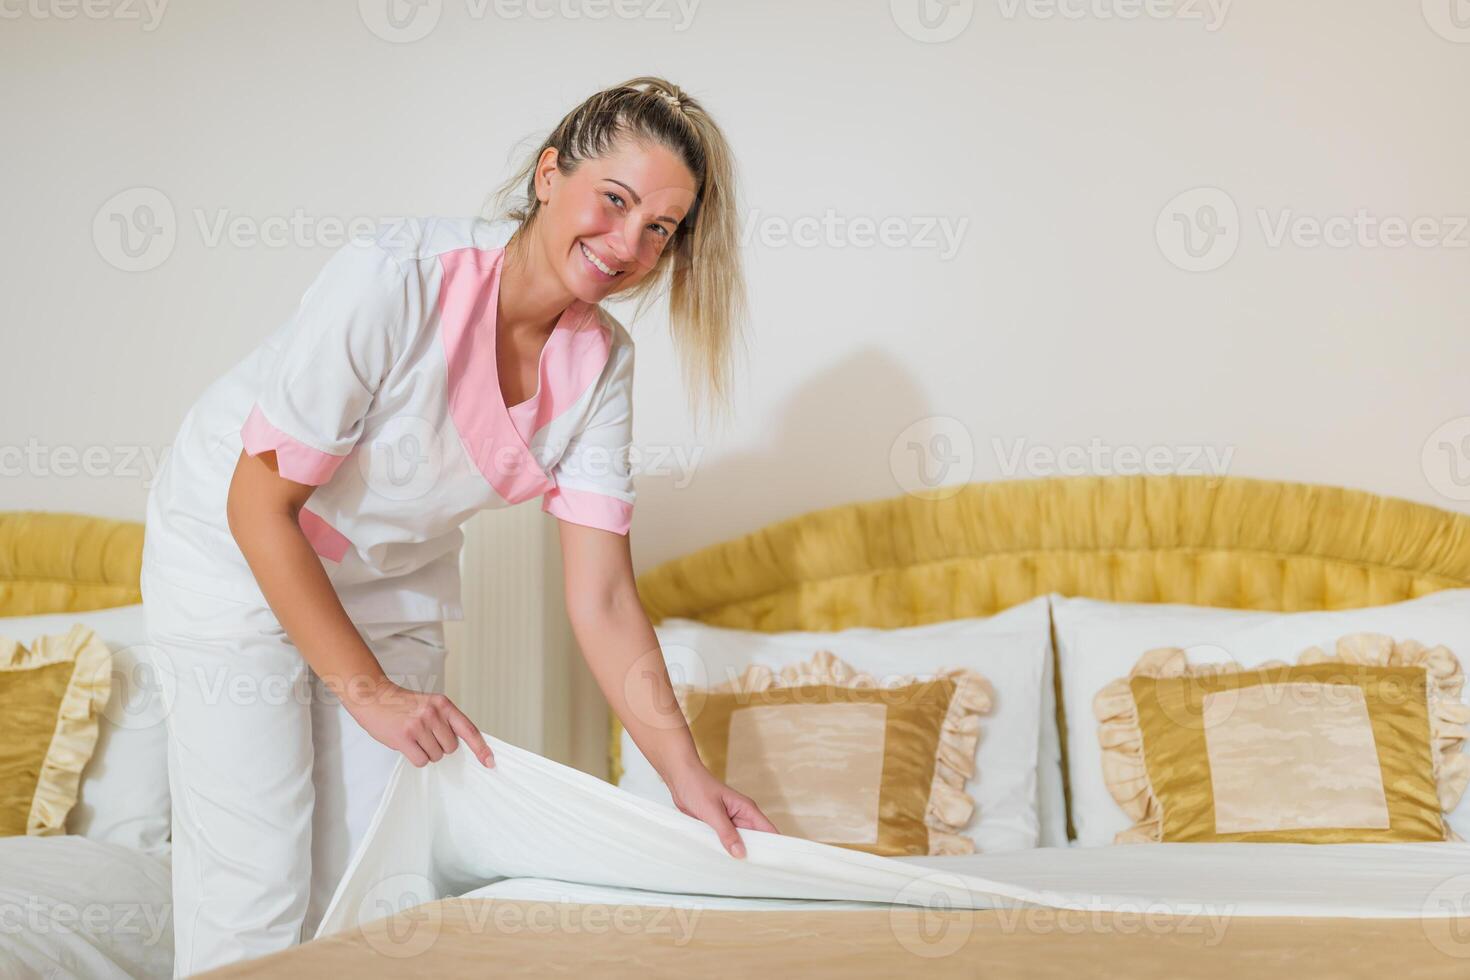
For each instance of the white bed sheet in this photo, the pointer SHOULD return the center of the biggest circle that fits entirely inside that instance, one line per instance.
(454, 827)
(1326, 880)
(75, 907)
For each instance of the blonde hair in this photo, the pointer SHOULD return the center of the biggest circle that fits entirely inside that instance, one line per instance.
(701, 263)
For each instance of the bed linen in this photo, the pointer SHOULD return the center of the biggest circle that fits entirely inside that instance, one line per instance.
(445, 829)
(1204, 881)
(74, 907)
(554, 872)
(451, 828)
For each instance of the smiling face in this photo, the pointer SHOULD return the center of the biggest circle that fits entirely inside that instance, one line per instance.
(603, 228)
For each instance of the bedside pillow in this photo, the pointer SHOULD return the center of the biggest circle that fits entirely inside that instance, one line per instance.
(844, 758)
(1363, 747)
(50, 697)
(1011, 650)
(1098, 642)
(124, 795)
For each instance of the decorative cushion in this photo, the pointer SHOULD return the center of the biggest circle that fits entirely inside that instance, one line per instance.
(1098, 642)
(1364, 746)
(50, 698)
(1020, 797)
(833, 755)
(124, 796)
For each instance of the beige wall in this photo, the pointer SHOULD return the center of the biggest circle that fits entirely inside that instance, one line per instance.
(1054, 147)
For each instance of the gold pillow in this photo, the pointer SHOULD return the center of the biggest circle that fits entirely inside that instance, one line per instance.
(1360, 747)
(831, 755)
(51, 697)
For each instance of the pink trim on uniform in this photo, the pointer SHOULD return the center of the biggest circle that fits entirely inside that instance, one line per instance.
(572, 368)
(325, 539)
(295, 461)
(572, 358)
(524, 417)
(591, 509)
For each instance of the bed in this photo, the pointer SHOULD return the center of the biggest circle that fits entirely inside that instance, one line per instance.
(433, 892)
(437, 892)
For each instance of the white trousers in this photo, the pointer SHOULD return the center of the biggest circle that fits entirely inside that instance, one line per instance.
(273, 782)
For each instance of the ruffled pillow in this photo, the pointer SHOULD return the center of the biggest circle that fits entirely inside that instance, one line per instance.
(1364, 746)
(51, 697)
(830, 754)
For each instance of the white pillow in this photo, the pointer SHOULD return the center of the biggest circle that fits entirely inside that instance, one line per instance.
(1051, 797)
(1011, 649)
(124, 796)
(1098, 642)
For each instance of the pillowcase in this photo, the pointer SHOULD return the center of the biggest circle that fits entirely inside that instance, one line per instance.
(1051, 795)
(1363, 747)
(1098, 642)
(124, 795)
(1011, 650)
(50, 697)
(840, 757)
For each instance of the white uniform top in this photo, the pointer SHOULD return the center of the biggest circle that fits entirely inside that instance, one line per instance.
(381, 391)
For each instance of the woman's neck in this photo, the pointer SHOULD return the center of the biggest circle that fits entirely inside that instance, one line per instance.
(531, 297)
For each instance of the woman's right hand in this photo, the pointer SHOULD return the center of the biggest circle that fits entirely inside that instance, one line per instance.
(424, 727)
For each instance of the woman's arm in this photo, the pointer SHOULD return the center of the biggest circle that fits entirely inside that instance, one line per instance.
(263, 508)
(622, 650)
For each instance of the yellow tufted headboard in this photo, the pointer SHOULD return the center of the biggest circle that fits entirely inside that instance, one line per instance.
(1211, 541)
(55, 562)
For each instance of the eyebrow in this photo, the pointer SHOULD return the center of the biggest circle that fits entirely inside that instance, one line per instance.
(639, 200)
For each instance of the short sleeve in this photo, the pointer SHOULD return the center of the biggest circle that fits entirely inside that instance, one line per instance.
(594, 479)
(329, 360)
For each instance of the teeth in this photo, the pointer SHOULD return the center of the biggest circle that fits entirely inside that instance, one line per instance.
(594, 260)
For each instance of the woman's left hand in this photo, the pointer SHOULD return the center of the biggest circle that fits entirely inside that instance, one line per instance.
(699, 794)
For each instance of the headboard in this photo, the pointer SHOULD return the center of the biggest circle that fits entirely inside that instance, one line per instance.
(1210, 541)
(56, 562)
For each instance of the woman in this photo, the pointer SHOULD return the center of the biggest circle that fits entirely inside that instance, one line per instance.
(309, 513)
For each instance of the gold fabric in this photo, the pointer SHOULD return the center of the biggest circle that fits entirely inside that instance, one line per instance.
(976, 550)
(831, 755)
(51, 697)
(1362, 747)
(470, 937)
(55, 562)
